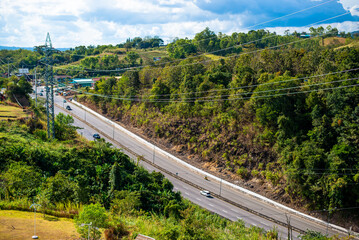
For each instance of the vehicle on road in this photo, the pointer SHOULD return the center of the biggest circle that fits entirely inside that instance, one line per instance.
(64, 101)
(96, 136)
(205, 193)
(68, 107)
(41, 94)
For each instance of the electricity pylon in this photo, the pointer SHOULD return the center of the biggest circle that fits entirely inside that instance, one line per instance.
(49, 82)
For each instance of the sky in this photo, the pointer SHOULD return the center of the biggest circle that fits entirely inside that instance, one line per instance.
(25, 23)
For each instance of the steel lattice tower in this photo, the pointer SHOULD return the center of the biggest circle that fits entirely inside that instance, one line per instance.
(49, 81)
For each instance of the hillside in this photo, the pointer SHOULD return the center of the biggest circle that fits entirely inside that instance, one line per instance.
(89, 181)
(282, 121)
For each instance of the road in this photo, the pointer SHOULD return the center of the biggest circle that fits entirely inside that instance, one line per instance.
(274, 217)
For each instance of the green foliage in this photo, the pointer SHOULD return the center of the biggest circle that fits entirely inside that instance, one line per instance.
(63, 127)
(313, 235)
(59, 188)
(131, 58)
(20, 180)
(95, 215)
(273, 113)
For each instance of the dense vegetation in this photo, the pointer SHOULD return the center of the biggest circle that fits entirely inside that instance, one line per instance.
(265, 108)
(287, 116)
(97, 183)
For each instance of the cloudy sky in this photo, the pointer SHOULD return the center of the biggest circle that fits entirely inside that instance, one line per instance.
(25, 23)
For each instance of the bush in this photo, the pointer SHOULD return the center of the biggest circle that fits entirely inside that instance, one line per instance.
(95, 215)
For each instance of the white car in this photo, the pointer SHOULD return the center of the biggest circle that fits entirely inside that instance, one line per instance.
(205, 193)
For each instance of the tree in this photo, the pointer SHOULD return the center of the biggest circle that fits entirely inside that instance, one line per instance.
(206, 40)
(181, 48)
(94, 214)
(63, 127)
(20, 180)
(59, 188)
(19, 87)
(131, 58)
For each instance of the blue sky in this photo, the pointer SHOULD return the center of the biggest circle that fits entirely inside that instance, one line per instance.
(92, 22)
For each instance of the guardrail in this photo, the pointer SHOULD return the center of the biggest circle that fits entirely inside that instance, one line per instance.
(192, 168)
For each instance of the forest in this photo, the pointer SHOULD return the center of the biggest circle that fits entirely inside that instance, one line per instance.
(264, 108)
(286, 116)
(95, 182)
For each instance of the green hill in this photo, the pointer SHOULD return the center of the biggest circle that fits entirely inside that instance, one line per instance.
(70, 176)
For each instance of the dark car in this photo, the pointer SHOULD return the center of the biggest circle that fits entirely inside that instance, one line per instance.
(68, 107)
(96, 136)
(41, 94)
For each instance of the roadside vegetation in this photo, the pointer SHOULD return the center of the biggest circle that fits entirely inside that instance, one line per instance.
(94, 182)
(283, 119)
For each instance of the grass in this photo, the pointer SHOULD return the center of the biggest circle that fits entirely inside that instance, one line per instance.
(147, 55)
(20, 225)
(213, 57)
(10, 112)
(354, 43)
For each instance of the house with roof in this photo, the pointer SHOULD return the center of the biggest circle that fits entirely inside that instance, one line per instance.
(83, 82)
(62, 78)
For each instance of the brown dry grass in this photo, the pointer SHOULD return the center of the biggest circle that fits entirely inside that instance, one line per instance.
(334, 41)
(18, 225)
(11, 112)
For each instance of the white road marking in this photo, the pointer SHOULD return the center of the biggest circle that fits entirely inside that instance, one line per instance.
(264, 224)
(186, 193)
(224, 211)
(199, 199)
(211, 205)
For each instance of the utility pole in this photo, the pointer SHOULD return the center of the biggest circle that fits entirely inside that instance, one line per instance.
(290, 233)
(8, 69)
(113, 131)
(49, 85)
(154, 154)
(35, 88)
(220, 187)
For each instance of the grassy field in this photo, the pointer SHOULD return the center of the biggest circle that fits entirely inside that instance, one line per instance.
(20, 225)
(354, 43)
(10, 112)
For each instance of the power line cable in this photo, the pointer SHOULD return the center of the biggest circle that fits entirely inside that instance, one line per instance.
(257, 85)
(290, 14)
(134, 99)
(256, 92)
(124, 69)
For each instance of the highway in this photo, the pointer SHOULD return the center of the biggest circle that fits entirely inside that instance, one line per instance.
(262, 214)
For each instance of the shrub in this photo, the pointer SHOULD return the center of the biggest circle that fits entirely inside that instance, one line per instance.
(95, 215)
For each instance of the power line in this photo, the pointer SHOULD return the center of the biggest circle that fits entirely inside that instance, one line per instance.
(134, 99)
(124, 69)
(290, 14)
(254, 92)
(256, 85)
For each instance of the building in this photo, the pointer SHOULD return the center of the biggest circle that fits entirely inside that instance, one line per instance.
(62, 78)
(87, 82)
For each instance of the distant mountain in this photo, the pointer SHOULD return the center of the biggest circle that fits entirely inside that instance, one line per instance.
(26, 48)
(14, 48)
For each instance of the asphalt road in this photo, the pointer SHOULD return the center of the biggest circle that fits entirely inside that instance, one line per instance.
(110, 133)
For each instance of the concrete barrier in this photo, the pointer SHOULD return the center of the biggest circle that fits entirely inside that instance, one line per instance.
(204, 173)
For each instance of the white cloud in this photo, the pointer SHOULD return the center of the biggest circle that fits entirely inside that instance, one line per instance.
(347, 26)
(90, 22)
(351, 5)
